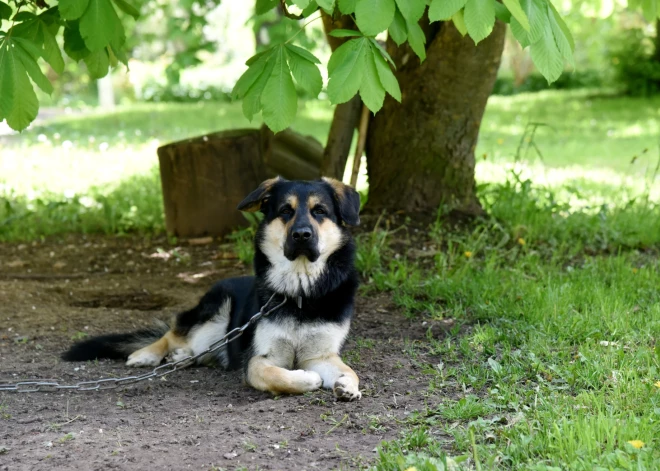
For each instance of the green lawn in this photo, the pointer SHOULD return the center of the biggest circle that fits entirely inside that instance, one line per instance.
(560, 369)
(74, 152)
(555, 296)
(97, 172)
(580, 128)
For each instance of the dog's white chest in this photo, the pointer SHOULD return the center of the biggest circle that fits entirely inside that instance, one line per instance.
(287, 341)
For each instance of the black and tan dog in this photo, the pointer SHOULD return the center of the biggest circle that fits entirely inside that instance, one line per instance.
(303, 251)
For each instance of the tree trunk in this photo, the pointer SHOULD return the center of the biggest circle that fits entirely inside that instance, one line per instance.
(420, 152)
(340, 138)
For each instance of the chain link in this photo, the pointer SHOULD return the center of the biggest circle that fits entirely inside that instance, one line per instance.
(159, 371)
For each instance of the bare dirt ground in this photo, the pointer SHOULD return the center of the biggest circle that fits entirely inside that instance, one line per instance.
(54, 292)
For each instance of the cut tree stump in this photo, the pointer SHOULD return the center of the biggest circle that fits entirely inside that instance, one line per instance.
(204, 178)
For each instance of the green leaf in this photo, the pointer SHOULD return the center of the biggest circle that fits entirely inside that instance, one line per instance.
(650, 10)
(304, 53)
(412, 10)
(5, 11)
(72, 9)
(346, 6)
(51, 52)
(27, 57)
(40, 31)
(24, 16)
(442, 10)
(257, 65)
(519, 33)
(119, 54)
(7, 79)
(382, 50)
(311, 8)
(302, 4)
(28, 27)
(371, 90)
(74, 46)
(417, 39)
(546, 55)
(517, 12)
(127, 8)
(97, 63)
(386, 76)
(536, 12)
(501, 12)
(264, 6)
(28, 46)
(18, 102)
(252, 99)
(305, 72)
(398, 31)
(345, 70)
(374, 16)
(563, 43)
(256, 57)
(459, 22)
(479, 19)
(327, 5)
(562, 25)
(279, 99)
(344, 33)
(100, 26)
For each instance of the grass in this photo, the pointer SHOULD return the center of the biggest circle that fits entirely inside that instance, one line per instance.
(554, 297)
(561, 362)
(98, 172)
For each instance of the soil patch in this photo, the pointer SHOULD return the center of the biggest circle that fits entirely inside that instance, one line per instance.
(198, 418)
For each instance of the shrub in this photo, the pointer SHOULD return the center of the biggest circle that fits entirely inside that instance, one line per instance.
(636, 70)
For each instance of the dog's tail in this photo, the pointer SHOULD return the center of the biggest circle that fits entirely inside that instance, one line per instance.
(114, 346)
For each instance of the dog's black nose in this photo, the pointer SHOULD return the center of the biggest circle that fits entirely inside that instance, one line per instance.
(302, 234)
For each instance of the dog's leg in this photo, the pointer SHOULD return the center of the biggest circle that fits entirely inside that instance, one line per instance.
(336, 375)
(153, 354)
(264, 375)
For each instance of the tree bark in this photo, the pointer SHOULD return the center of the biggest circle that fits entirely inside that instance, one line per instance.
(346, 116)
(340, 137)
(420, 152)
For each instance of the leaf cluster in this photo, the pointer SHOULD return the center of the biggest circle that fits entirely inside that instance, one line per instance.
(92, 31)
(362, 66)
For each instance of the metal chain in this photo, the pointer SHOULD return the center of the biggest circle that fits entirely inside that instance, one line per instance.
(162, 370)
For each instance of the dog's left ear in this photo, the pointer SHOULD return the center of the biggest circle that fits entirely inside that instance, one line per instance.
(348, 200)
(252, 202)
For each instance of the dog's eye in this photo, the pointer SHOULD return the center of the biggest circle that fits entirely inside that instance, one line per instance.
(286, 210)
(319, 211)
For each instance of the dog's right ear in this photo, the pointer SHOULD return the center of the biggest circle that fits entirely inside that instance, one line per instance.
(252, 202)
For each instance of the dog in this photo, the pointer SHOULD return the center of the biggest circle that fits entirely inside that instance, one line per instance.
(304, 252)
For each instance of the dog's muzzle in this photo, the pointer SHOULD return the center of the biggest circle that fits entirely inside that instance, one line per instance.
(301, 241)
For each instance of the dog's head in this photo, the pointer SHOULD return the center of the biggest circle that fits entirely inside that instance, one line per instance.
(304, 223)
(306, 216)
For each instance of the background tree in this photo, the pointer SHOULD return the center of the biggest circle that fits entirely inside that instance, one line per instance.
(432, 79)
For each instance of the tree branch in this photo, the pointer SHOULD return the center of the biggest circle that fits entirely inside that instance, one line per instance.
(287, 13)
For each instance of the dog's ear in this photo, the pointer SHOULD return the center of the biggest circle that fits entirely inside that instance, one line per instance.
(252, 202)
(348, 200)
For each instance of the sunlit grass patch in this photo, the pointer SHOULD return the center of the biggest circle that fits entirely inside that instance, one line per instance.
(558, 370)
(133, 205)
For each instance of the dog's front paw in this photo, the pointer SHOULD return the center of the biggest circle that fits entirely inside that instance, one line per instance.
(346, 389)
(142, 358)
(307, 380)
(179, 354)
